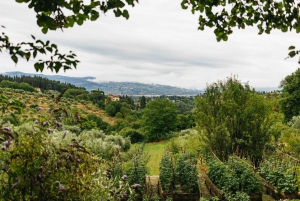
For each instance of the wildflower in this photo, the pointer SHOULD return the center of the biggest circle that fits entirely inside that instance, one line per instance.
(58, 124)
(36, 121)
(61, 187)
(49, 130)
(124, 194)
(7, 143)
(124, 177)
(6, 129)
(44, 123)
(137, 185)
(40, 108)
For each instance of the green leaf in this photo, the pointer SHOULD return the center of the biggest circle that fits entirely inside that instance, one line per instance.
(126, 14)
(34, 53)
(49, 49)
(291, 47)
(27, 56)
(118, 12)
(183, 6)
(44, 30)
(292, 54)
(94, 15)
(54, 46)
(14, 58)
(39, 67)
(57, 66)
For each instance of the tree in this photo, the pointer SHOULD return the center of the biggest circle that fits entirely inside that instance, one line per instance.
(112, 108)
(234, 118)
(290, 104)
(159, 118)
(143, 102)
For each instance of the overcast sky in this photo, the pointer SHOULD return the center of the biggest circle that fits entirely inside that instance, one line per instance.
(159, 44)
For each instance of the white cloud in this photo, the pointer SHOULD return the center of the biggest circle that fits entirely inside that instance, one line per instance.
(159, 44)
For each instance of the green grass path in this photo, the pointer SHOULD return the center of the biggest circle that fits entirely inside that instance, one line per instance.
(156, 151)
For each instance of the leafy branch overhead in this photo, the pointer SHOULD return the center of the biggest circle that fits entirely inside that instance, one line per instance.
(51, 14)
(28, 50)
(268, 15)
(223, 15)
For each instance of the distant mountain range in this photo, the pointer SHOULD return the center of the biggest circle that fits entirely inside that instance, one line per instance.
(122, 88)
(125, 88)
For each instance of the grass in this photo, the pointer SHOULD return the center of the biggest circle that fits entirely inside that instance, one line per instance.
(155, 150)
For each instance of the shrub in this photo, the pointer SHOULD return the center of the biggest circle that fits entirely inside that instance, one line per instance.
(134, 135)
(34, 167)
(73, 129)
(183, 172)
(137, 171)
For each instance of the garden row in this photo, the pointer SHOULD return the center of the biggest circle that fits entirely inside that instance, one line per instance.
(233, 180)
(237, 180)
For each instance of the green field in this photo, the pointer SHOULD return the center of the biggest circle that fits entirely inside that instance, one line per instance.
(155, 151)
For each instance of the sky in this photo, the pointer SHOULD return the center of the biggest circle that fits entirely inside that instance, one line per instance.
(159, 44)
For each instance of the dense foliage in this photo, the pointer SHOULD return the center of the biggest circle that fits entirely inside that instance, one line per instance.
(159, 118)
(291, 95)
(39, 82)
(281, 171)
(37, 165)
(233, 117)
(234, 178)
(179, 174)
(14, 85)
(268, 15)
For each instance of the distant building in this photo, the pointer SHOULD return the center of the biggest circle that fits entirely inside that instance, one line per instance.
(113, 97)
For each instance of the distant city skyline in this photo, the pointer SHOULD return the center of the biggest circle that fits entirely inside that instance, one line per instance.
(159, 44)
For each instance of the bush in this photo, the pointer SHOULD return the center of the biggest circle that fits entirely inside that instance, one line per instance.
(134, 135)
(182, 172)
(34, 167)
(73, 129)
(137, 171)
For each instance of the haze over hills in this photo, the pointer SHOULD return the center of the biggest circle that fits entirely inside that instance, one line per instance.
(122, 88)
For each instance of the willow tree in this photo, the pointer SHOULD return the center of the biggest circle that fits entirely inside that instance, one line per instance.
(234, 118)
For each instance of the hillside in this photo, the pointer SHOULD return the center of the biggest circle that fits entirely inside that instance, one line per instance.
(122, 88)
(45, 101)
